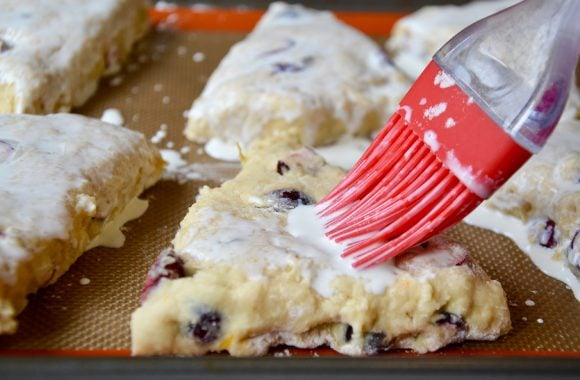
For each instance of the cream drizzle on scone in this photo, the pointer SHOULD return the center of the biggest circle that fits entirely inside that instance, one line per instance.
(38, 178)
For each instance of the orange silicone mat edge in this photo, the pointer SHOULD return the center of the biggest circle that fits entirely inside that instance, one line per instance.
(244, 20)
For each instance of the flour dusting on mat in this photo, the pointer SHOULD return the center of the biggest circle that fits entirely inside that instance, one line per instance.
(198, 57)
(116, 81)
(160, 134)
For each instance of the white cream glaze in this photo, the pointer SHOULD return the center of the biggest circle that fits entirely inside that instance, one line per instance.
(44, 63)
(20, 178)
(430, 138)
(345, 153)
(113, 116)
(112, 235)
(287, 69)
(544, 258)
(178, 169)
(242, 243)
(435, 111)
(222, 150)
(443, 80)
(308, 228)
(480, 184)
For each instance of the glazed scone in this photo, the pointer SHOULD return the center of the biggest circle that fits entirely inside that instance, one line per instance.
(545, 194)
(236, 280)
(299, 69)
(416, 37)
(63, 178)
(53, 52)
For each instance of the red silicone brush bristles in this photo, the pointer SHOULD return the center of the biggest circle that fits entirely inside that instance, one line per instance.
(436, 159)
(397, 196)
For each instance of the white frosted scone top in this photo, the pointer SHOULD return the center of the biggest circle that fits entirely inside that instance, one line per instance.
(37, 164)
(299, 68)
(55, 46)
(67, 183)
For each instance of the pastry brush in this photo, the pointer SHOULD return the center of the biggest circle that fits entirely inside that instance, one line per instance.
(486, 102)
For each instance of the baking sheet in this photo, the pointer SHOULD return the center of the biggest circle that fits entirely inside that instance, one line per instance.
(157, 85)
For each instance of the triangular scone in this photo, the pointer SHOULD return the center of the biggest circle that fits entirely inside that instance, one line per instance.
(63, 178)
(53, 52)
(301, 69)
(237, 281)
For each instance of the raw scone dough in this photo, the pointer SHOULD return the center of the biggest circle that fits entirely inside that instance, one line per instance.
(63, 178)
(236, 280)
(299, 69)
(53, 52)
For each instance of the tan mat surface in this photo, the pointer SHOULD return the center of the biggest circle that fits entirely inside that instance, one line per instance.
(156, 87)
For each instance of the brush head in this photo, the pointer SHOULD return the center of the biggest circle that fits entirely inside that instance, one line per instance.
(436, 159)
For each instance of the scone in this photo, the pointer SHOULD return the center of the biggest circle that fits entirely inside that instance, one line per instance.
(63, 178)
(302, 70)
(545, 195)
(53, 52)
(237, 280)
(416, 37)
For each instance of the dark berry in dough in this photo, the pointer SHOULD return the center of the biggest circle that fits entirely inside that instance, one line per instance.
(288, 199)
(208, 327)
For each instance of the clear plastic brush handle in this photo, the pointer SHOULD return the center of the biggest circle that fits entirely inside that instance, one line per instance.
(518, 66)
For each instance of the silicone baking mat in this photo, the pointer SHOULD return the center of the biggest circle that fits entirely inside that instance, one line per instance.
(87, 311)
